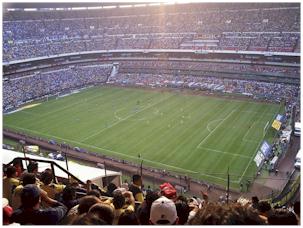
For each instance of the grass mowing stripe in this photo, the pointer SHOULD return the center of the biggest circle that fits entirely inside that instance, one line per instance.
(252, 157)
(216, 127)
(189, 119)
(119, 121)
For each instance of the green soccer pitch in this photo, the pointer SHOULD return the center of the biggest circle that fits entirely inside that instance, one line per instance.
(191, 135)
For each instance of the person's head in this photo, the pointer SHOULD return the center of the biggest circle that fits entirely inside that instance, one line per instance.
(282, 217)
(30, 196)
(110, 188)
(264, 208)
(137, 179)
(103, 211)
(94, 192)
(7, 211)
(234, 214)
(182, 212)
(128, 218)
(32, 167)
(151, 196)
(46, 177)
(11, 171)
(163, 212)
(68, 193)
(118, 199)
(86, 202)
(88, 219)
(28, 178)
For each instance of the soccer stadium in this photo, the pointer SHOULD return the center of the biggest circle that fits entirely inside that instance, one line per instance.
(151, 113)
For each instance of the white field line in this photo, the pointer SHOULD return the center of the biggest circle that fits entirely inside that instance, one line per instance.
(212, 122)
(224, 152)
(115, 152)
(249, 140)
(91, 146)
(252, 157)
(127, 117)
(216, 127)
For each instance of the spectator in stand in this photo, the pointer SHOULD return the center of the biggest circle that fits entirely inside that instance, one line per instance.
(88, 219)
(255, 202)
(7, 212)
(163, 212)
(122, 200)
(103, 211)
(297, 211)
(86, 202)
(18, 164)
(232, 214)
(111, 187)
(30, 211)
(10, 182)
(135, 188)
(128, 218)
(69, 197)
(52, 189)
(29, 178)
(143, 211)
(282, 217)
(264, 209)
(183, 211)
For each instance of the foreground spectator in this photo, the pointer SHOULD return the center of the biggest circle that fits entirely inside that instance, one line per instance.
(128, 218)
(10, 182)
(103, 211)
(163, 212)
(135, 188)
(30, 211)
(282, 217)
(52, 189)
(143, 211)
(216, 214)
(88, 219)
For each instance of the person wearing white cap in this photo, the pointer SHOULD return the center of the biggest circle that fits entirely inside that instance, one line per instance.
(163, 212)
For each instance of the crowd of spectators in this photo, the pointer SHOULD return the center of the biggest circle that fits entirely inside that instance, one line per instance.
(213, 66)
(45, 201)
(274, 92)
(34, 85)
(258, 29)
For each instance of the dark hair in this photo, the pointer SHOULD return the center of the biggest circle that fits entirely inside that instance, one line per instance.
(118, 199)
(110, 188)
(68, 193)
(182, 212)
(10, 171)
(103, 211)
(151, 197)
(32, 166)
(128, 218)
(282, 217)
(136, 178)
(88, 219)
(30, 196)
(297, 208)
(86, 202)
(94, 192)
(264, 206)
(234, 214)
(28, 178)
(46, 177)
